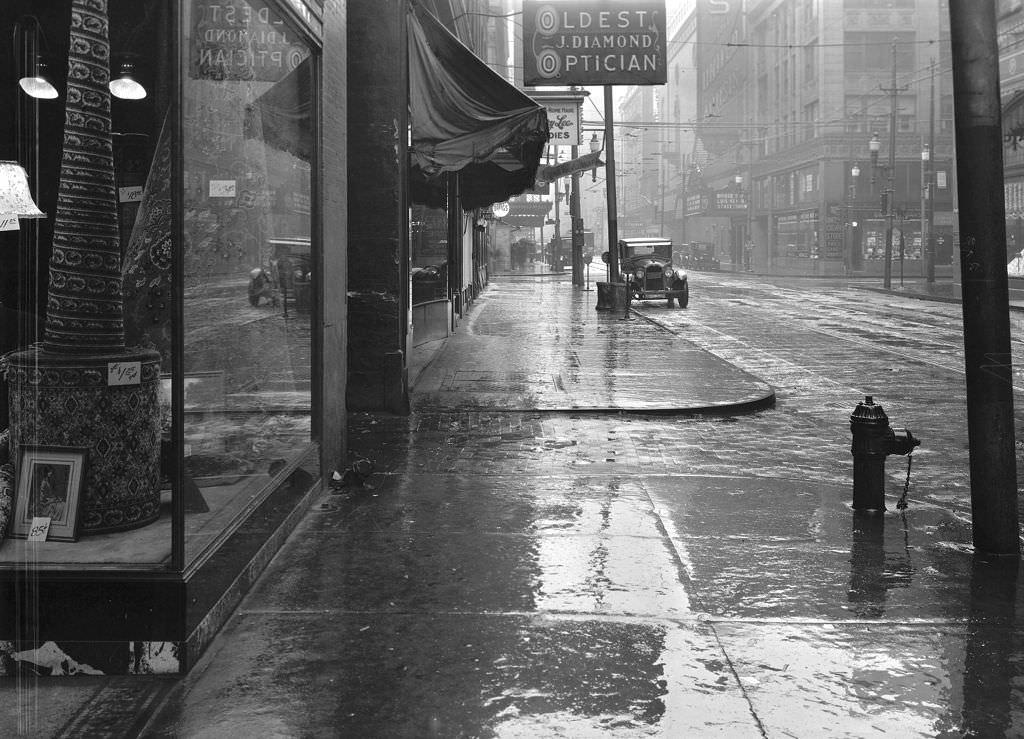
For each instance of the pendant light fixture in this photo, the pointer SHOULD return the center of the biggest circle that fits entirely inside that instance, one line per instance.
(27, 35)
(125, 86)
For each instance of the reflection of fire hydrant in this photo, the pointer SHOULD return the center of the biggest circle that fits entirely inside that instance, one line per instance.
(873, 441)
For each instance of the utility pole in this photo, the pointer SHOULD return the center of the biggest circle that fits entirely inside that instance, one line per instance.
(556, 240)
(989, 371)
(609, 182)
(929, 187)
(577, 225)
(890, 194)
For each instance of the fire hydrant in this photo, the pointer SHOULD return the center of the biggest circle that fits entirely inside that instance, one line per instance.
(873, 440)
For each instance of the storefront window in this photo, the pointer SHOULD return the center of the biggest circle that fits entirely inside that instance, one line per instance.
(87, 440)
(798, 235)
(905, 233)
(248, 260)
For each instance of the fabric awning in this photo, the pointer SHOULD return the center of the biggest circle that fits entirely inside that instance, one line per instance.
(466, 118)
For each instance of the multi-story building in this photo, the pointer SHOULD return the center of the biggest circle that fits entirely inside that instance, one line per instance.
(781, 174)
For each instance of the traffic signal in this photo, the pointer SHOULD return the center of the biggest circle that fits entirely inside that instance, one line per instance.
(884, 203)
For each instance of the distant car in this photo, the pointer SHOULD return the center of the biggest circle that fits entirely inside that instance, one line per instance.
(696, 255)
(646, 266)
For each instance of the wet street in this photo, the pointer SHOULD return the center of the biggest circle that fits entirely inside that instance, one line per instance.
(596, 525)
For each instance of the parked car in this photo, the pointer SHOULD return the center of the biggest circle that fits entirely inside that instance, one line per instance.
(699, 256)
(646, 266)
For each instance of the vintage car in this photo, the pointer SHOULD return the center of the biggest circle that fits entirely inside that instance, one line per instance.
(646, 266)
(698, 255)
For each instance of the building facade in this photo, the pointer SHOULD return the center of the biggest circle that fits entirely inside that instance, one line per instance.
(789, 96)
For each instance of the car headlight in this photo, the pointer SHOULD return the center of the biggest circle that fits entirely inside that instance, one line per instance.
(639, 274)
(669, 273)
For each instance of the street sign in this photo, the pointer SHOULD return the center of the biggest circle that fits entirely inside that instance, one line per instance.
(594, 42)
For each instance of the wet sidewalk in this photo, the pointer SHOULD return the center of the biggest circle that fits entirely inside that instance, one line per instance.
(533, 559)
(540, 345)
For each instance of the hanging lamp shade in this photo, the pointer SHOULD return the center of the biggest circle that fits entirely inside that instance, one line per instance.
(37, 84)
(15, 197)
(125, 86)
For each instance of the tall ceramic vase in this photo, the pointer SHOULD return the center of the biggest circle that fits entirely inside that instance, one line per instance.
(82, 387)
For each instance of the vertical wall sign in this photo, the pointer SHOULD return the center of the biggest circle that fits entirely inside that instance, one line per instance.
(594, 42)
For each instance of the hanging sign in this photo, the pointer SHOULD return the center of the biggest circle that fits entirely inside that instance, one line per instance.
(563, 121)
(594, 42)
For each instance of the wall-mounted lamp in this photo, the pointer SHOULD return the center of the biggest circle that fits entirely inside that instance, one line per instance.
(15, 198)
(125, 86)
(26, 37)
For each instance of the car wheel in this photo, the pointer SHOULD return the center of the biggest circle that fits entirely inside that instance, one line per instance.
(684, 297)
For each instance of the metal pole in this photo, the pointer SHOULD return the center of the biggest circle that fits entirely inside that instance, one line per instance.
(979, 155)
(929, 204)
(556, 240)
(890, 175)
(577, 225)
(609, 182)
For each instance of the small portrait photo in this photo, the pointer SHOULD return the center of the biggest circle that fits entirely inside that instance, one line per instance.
(49, 485)
(48, 491)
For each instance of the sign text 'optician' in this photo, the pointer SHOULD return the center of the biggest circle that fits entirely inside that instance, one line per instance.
(593, 43)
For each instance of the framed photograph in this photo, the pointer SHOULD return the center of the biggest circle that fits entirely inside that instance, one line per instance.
(49, 489)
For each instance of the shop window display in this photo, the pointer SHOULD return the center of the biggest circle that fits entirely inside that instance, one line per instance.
(224, 180)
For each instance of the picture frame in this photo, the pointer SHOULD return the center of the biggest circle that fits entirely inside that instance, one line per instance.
(49, 483)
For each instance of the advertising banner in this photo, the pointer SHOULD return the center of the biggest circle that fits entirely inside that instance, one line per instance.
(594, 42)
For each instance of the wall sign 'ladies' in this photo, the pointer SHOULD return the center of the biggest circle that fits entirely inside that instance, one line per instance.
(595, 42)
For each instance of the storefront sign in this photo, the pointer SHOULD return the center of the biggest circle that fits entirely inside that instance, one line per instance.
(730, 200)
(238, 40)
(696, 204)
(563, 122)
(594, 42)
(530, 213)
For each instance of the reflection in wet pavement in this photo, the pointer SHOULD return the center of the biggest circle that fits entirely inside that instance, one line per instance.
(535, 574)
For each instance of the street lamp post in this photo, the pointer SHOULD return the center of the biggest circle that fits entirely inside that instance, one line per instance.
(926, 213)
(874, 146)
(851, 195)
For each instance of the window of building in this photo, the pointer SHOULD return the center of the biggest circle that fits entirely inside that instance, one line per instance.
(247, 137)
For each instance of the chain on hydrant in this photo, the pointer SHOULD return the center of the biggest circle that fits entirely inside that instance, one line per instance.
(873, 440)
